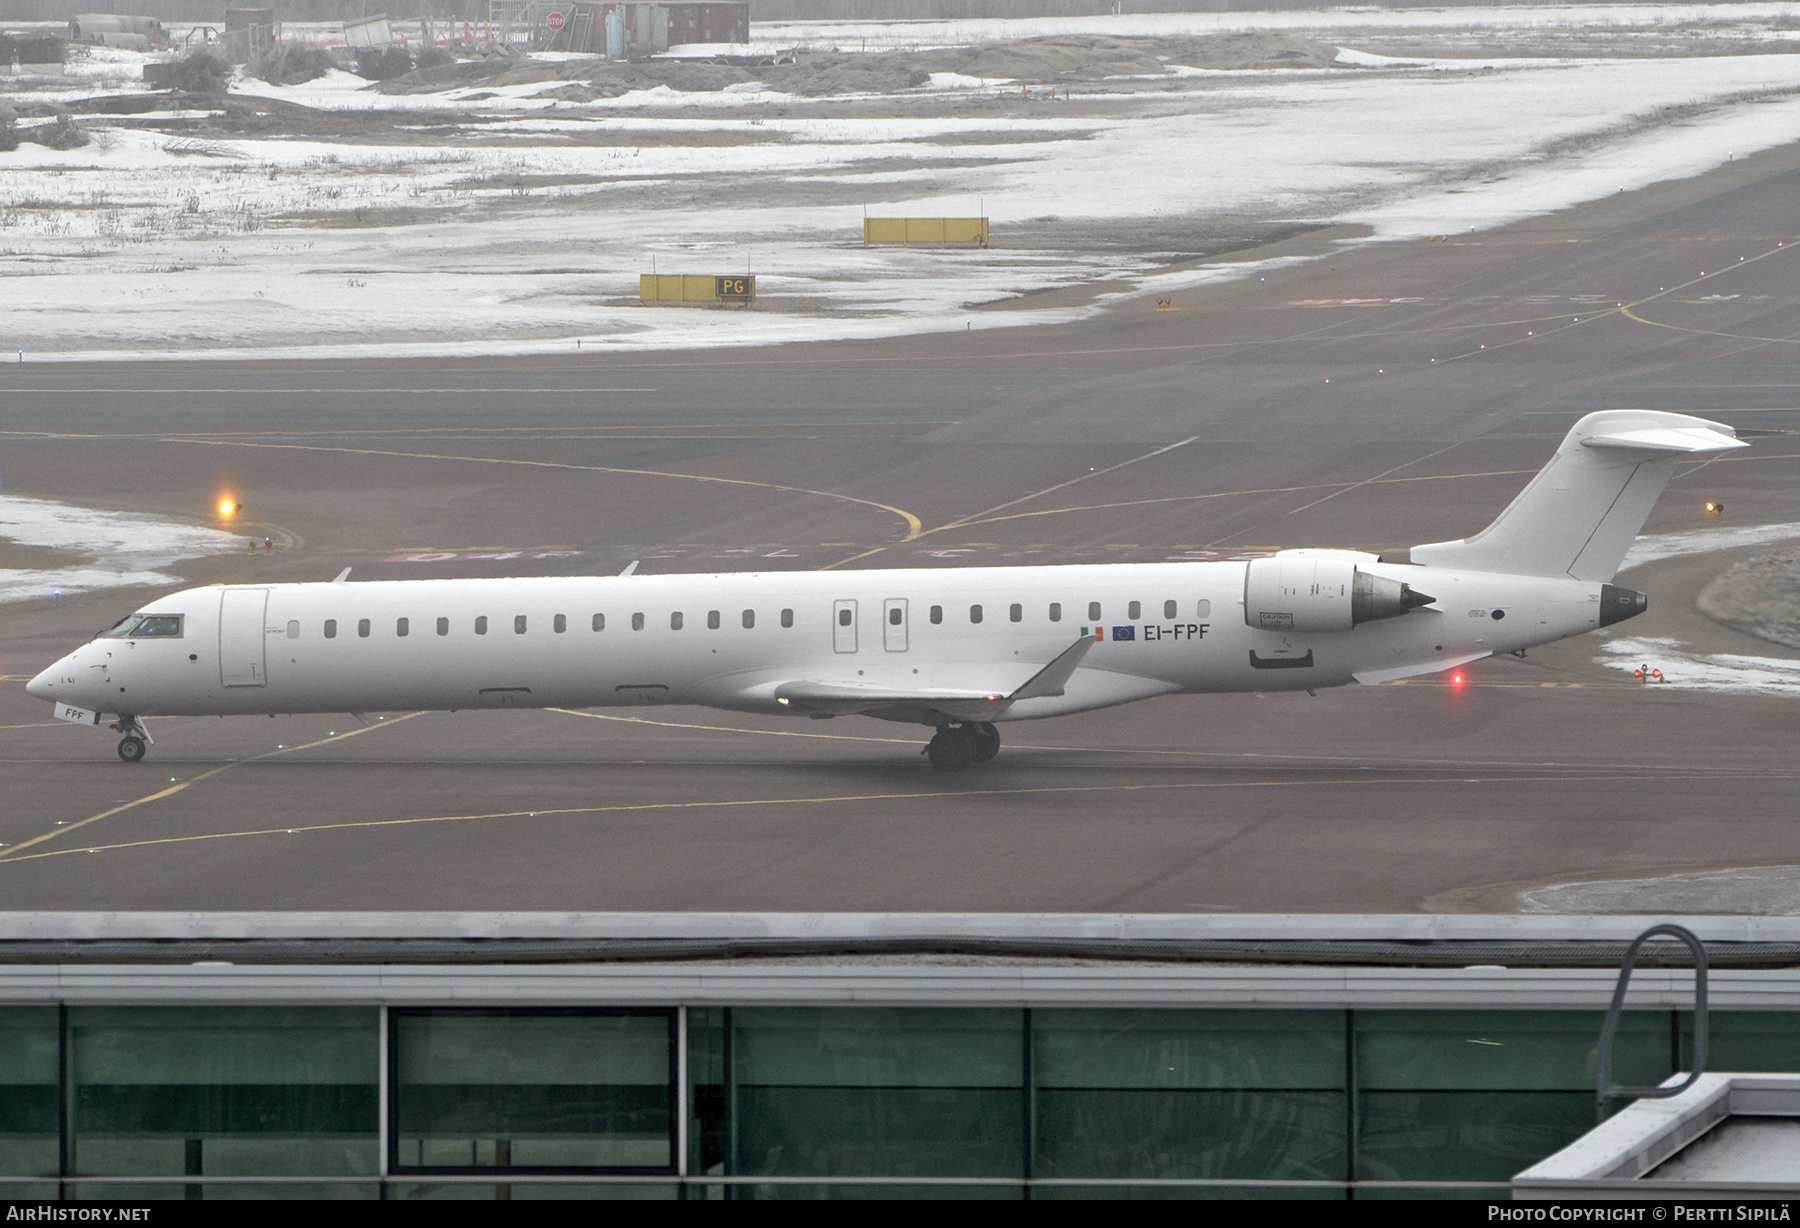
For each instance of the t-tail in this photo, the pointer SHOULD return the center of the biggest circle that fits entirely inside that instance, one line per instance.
(1580, 514)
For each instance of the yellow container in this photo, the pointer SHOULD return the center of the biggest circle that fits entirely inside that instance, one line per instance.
(908, 231)
(695, 288)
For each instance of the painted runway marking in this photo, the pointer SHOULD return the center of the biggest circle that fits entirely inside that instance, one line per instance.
(851, 798)
(65, 829)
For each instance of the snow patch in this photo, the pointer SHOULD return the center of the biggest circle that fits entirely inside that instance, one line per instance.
(125, 549)
(1714, 671)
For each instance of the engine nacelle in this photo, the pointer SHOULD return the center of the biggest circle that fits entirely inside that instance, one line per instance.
(1305, 591)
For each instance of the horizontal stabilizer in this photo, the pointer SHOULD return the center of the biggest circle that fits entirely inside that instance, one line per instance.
(1582, 511)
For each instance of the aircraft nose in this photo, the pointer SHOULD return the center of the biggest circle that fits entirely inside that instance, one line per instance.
(43, 686)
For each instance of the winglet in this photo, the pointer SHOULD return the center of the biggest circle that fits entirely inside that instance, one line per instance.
(630, 568)
(342, 576)
(1050, 681)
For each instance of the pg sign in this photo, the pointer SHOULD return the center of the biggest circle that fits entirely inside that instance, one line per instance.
(734, 289)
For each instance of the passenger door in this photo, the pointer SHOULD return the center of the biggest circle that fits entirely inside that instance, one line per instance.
(241, 612)
(893, 624)
(843, 626)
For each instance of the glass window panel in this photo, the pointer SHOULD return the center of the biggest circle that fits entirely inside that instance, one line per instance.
(937, 615)
(518, 624)
(402, 626)
(1169, 608)
(712, 620)
(1203, 609)
(1016, 612)
(675, 621)
(1163, 1093)
(1504, 1050)
(562, 1089)
(331, 628)
(878, 1091)
(1170, 1048)
(1056, 611)
(787, 618)
(362, 628)
(28, 1090)
(599, 622)
(1745, 1040)
(1134, 610)
(1464, 1136)
(223, 1090)
(443, 626)
(560, 623)
(637, 622)
(1093, 611)
(974, 613)
(749, 619)
(481, 624)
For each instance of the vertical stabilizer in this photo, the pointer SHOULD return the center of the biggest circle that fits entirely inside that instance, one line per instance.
(1582, 511)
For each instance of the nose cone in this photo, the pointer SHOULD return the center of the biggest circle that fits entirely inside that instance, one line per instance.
(43, 686)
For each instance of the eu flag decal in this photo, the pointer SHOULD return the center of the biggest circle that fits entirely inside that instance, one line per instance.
(1124, 633)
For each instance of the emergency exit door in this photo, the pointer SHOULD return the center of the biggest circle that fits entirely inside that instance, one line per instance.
(241, 613)
(893, 624)
(843, 626)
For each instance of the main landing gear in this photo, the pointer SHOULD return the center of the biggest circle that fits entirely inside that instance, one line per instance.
(957, 746)
(136, 740)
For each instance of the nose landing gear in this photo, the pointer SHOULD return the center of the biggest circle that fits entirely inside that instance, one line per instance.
(958, 746)
(136, 740)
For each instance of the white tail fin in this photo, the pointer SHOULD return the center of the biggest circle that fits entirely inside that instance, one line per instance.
(1582, 511)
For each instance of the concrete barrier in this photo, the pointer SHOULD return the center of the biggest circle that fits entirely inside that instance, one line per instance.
(910, 231)
(691, 288)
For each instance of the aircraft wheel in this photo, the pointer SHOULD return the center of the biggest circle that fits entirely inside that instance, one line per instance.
(952, 750)
(131, 748)
(987, 741)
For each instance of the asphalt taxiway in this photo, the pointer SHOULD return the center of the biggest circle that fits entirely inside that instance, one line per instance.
(1384, 396)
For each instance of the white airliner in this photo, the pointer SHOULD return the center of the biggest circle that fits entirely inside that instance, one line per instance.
(957, 649)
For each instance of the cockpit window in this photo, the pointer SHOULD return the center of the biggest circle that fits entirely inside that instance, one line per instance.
(166, 626)
(146, 626)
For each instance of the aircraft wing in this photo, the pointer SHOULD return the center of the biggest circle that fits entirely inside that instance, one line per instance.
(928, 704)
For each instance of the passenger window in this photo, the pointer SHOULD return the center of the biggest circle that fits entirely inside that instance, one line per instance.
(1169, 608)
(749, 619)
(293, 628)
(599, 622)
(1093, 611)
(894, 617)
(1016, 613)
(1134, 611)
(518, 624)
(787, 618)
(1204, 609)
(401, 626)
(844, 617)
(559, 624)
(637, 622)
(937, 615)
(481, 625)
(165, 626)
(974, 613)
(362, 628)
(331, 628)
(712, 620)
(443, 626)
(675, 620)
(1056, 611)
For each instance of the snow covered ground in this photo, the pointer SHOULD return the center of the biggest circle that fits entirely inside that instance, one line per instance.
(117, 549)
(510, 220)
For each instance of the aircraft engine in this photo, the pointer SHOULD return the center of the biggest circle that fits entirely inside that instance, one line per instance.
(1304, 591)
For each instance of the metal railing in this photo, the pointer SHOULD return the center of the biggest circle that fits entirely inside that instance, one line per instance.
(1605, 1090)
